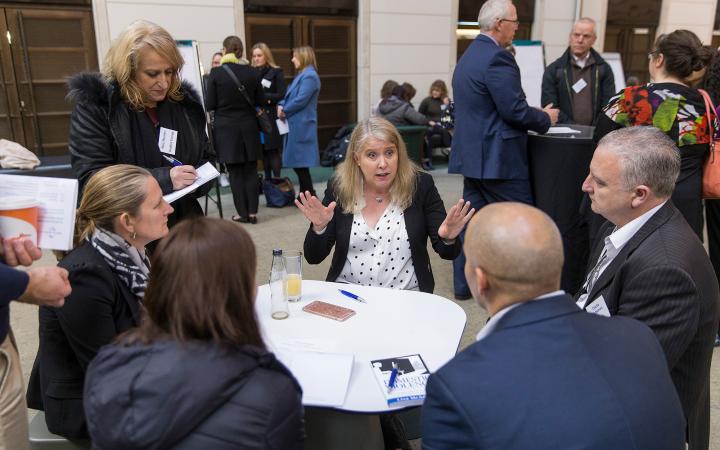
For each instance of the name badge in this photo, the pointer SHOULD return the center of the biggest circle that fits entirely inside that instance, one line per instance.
(579, 85)
(167, 140)
(599, 307)
(266, 83)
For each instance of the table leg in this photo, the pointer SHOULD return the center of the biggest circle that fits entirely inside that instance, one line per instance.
(329, 429)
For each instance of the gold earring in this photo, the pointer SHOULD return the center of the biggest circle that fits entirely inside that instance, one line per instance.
(134, 235)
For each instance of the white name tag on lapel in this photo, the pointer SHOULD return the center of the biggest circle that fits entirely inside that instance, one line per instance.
(167, 140)
(579, 85)
(266, 83)
(599, 307)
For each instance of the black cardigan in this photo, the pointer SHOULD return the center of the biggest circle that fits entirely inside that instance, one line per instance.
(422, 220)
(99, 308)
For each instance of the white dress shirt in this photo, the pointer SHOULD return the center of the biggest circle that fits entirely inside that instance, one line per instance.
(613, 244)
(492, 323)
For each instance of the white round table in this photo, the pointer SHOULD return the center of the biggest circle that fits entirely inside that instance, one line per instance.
(392, 323)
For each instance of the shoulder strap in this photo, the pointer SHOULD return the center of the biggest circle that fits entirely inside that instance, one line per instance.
(709, 113)
(239, 85)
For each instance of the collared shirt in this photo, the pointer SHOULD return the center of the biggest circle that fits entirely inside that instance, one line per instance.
(580, 62)
(493, 39)
(614, 243)
(492, 323)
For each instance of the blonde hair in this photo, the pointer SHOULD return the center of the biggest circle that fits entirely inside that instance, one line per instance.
(348, 179)
(269, 60)
(306, 57)
(123, 59)
(109, 193)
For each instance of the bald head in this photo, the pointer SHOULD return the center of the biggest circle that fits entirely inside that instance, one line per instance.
(518, 247)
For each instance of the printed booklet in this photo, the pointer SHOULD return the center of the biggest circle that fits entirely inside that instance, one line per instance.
(410, 381)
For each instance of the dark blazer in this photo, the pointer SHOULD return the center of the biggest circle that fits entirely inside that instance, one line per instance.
(194, 395)
(552, 377)
(273, 94)
(557, 86)
(236, 133)
(13, 282)
(663, 277)
(422, 220)
(491, 115)
(99, 308)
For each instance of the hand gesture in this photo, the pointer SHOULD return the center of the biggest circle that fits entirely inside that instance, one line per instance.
(317, 213)
(19, 251)
(552, 113)
(456, 219)
(48, 286)
(182, 176)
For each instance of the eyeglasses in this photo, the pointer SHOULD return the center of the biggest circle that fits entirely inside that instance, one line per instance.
(516, 22)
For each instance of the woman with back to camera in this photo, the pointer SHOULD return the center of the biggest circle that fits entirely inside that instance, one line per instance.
(670, 104)
(274, 88)
(121, 211)
(118, 116)
(237, 138)
(299, 108)
(196, 374)
(379, 211)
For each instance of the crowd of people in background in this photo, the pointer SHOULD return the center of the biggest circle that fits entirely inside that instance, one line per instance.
(152, 290)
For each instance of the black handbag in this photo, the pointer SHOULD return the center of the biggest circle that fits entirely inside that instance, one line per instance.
(264, 122)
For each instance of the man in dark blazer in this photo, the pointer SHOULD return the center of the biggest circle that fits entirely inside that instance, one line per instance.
(543, 374)
(491, 120)
(650, 265)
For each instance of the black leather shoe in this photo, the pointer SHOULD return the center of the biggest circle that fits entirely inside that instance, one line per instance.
(463, 296)
(252, 219)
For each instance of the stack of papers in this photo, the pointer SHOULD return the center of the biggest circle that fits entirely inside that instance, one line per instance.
(562, 130)
(206, 172)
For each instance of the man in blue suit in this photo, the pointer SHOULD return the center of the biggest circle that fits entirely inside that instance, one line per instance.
(491, 120)
(545, 374)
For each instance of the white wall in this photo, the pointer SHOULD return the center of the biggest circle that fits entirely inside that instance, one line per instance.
(552, 25)
(207, 22)
(694, 15)
(405, 40)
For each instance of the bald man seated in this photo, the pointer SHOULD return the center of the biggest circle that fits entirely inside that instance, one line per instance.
(544, 374)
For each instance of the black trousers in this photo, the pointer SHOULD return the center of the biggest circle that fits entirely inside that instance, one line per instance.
(244, 187)
(305, 179)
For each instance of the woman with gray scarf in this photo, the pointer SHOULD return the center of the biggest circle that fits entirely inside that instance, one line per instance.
(122, 210)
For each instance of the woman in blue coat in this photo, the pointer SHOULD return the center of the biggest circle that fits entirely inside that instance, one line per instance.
(299, 108)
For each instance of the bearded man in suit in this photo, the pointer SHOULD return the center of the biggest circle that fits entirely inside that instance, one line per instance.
(650, 265)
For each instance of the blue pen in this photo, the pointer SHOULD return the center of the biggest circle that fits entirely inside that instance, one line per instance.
(393, 377)
(172, 160)
(352, 296)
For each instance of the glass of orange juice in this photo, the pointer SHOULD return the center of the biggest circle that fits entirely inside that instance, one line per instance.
(293, 266)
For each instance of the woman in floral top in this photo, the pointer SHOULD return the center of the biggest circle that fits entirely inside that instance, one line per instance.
(670, 104)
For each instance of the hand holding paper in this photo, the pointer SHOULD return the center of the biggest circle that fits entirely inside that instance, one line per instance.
(206, 172)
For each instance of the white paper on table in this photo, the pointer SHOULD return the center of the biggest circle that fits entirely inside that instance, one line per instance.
(206, 172)
(562, 130)
(324, 377)
(283, 127)
(57, 198)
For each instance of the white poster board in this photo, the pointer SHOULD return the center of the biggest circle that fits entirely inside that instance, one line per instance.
(530, 57)
(615, 62)
(191, 71)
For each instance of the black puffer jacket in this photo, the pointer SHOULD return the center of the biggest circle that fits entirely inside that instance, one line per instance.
(196, 396)
(100, 134)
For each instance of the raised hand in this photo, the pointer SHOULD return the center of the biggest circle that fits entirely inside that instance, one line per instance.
(182, 176)
(313, 209)
(456, 219)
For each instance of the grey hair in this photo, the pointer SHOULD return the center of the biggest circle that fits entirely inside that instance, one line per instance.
(586, 20)
(491, 11)
(647, 156)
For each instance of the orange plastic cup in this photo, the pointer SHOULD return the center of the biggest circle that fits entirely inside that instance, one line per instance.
(19, 217)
